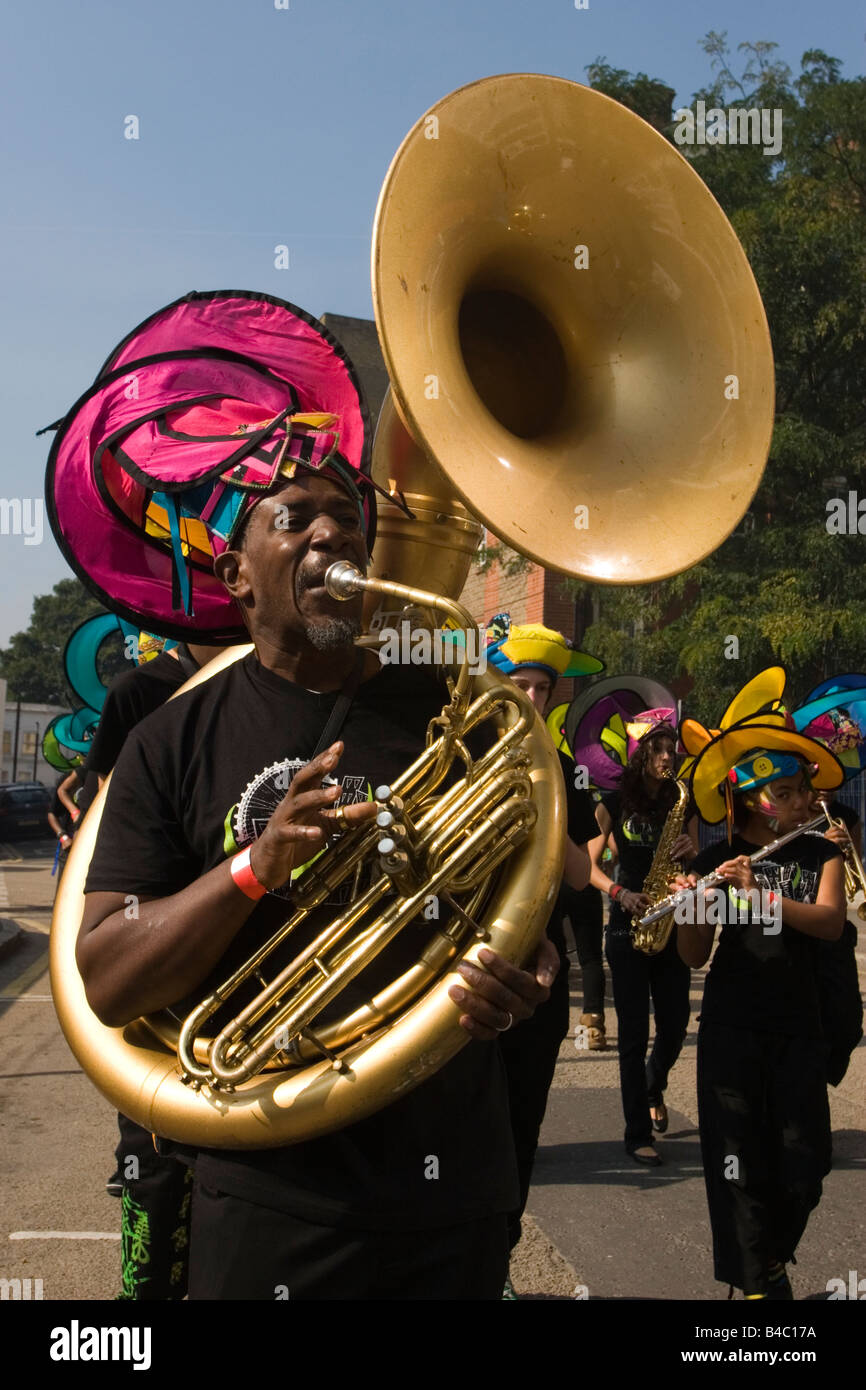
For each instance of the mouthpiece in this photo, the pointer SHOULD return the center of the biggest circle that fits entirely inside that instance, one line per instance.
(340, 580)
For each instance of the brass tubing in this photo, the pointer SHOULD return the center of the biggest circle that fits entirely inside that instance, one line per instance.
(358, 956)
(300, 1013)
(316, 887)
(510, 838)
(396, 996)
(497, 757)
(506, 782)
(289, 975)
(312, 893)
(343, 580)
(277, 986)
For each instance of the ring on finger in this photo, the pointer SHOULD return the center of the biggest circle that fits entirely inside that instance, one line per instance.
(339, 817)
(508, 1024)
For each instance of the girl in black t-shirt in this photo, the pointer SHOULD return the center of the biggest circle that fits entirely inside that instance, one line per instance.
(762, 1099)
(635, 817)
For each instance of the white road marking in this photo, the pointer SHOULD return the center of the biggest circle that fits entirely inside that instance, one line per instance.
(26, 998)
(64, 1235)
(4, 890)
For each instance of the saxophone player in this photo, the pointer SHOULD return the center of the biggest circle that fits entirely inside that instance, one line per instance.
(634, 817)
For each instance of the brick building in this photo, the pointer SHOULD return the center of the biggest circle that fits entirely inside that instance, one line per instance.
(534, 595)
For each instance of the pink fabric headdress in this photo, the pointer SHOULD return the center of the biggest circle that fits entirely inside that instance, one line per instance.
(202, 410)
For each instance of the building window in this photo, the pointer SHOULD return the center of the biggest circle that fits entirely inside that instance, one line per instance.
(28, 743)
(7, 743)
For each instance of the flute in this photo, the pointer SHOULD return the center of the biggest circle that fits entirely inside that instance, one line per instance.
(673, 900)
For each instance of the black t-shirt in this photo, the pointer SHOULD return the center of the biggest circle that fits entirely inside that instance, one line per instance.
(131, 696)
(198, 779)
(582, 827)
(582, 824)
(764, 980)
(636, 837)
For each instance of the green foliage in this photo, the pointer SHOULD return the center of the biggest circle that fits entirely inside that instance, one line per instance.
(646, 96)
(789, 591)
(510, 561)
(33, 662)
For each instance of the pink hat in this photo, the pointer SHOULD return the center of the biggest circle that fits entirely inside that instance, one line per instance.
(205, 408)
(652, 721)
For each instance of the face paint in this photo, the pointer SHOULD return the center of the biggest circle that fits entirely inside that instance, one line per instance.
(764, 804)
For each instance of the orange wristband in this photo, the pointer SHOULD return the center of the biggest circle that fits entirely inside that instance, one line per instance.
(245, 879)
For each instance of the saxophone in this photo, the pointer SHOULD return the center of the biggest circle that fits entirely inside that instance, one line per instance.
(653, 939)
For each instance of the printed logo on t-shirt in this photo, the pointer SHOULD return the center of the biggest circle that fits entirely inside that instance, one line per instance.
(791, 880)
(263, 794)
(640, 832)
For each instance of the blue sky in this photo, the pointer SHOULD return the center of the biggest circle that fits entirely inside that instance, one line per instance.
(258, 126)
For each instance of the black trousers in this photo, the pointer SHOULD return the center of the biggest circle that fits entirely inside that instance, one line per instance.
(586, 914)
(636, 978)
(766, 1145)
(529, 1051)
(154, 1232)
(240, 1250)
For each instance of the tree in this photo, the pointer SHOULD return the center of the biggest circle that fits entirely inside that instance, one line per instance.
(33, 662)
(787, 587)
(646, 96)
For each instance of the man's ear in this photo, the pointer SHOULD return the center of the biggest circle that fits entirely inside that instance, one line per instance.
(231, 570)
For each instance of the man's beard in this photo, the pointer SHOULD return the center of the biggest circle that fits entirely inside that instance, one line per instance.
(330, 634)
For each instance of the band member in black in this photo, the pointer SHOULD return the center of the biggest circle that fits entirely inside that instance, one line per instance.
(634, 817)
(535, 657)
(221, 796)
(762, 1096)
(154, 1191)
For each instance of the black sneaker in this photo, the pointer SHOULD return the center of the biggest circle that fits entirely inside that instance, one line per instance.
(779, 1290)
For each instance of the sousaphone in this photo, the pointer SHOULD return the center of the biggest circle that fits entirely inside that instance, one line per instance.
(579, 356)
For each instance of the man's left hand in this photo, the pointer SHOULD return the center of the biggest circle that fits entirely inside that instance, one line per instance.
(500, 994)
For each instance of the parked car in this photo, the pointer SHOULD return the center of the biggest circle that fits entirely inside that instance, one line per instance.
(24, 810)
